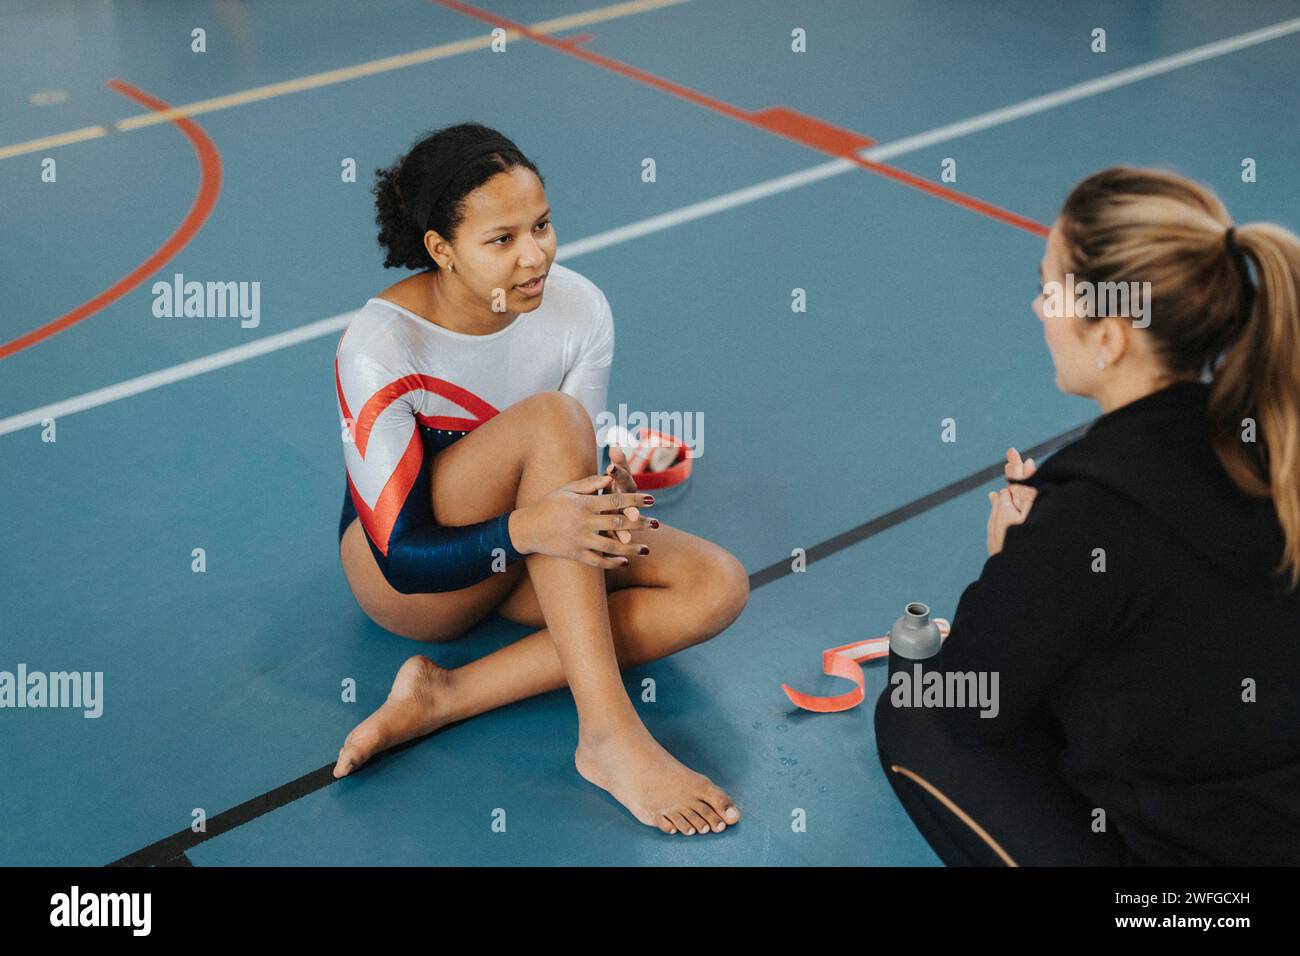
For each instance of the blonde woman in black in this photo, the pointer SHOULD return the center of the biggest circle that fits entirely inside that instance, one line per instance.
(1140, 603)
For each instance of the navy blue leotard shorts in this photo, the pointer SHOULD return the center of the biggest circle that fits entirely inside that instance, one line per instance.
(435, 440)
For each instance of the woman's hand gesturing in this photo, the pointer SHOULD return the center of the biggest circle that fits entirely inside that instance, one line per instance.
(1018, 470)
(1010, 505)
(568, 523)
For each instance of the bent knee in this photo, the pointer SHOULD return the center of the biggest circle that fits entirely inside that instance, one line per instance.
(724, 586)
(562, 419)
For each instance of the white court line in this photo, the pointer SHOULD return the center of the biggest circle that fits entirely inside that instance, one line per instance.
(208, 363)
(1079, 91)
(676, 217)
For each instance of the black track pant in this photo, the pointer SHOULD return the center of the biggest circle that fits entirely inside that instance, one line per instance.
(1011, 789)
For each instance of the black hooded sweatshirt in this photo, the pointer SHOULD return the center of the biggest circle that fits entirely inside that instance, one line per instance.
(1172, 677)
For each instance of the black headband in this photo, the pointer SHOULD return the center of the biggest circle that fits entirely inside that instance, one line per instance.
(438, 181)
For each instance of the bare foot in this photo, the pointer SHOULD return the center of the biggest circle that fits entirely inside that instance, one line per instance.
(416, 705)
(659, 790)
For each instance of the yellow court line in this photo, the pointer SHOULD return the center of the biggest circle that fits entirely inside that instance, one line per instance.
(50, 142)
(330, 77)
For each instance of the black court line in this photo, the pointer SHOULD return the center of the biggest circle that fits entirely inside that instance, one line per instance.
(910, 510)
(170, 851)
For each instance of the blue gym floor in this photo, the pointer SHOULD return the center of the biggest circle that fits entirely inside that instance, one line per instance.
(222, 689)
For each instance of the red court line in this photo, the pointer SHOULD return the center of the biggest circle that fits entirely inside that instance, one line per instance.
(779, 120)
(579, 39)
(204, 200)
(951, 195)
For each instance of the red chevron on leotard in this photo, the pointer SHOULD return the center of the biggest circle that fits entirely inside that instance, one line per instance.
(378, 402)
(378, 522)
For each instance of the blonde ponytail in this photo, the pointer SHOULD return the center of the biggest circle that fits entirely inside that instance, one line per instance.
(1259, 379)
(1208, 313)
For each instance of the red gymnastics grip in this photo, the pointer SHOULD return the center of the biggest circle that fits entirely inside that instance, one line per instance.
(676, 473)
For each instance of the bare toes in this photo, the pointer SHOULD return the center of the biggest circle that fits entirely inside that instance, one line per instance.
(701, 825)
(359, 747)
(680, 821)
(716, 823)
(723, 805)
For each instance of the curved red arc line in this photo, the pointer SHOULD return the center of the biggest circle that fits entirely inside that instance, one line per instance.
(204, 200)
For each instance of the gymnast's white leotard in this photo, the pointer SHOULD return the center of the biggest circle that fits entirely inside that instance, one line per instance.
(410, 388)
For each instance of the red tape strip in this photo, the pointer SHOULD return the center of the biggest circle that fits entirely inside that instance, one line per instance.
(845, 661)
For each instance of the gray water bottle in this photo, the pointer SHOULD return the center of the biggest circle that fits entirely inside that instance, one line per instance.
(914, 639)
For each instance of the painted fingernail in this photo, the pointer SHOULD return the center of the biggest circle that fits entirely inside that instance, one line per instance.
(643, 550)
(649, 499)
(654, 523)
